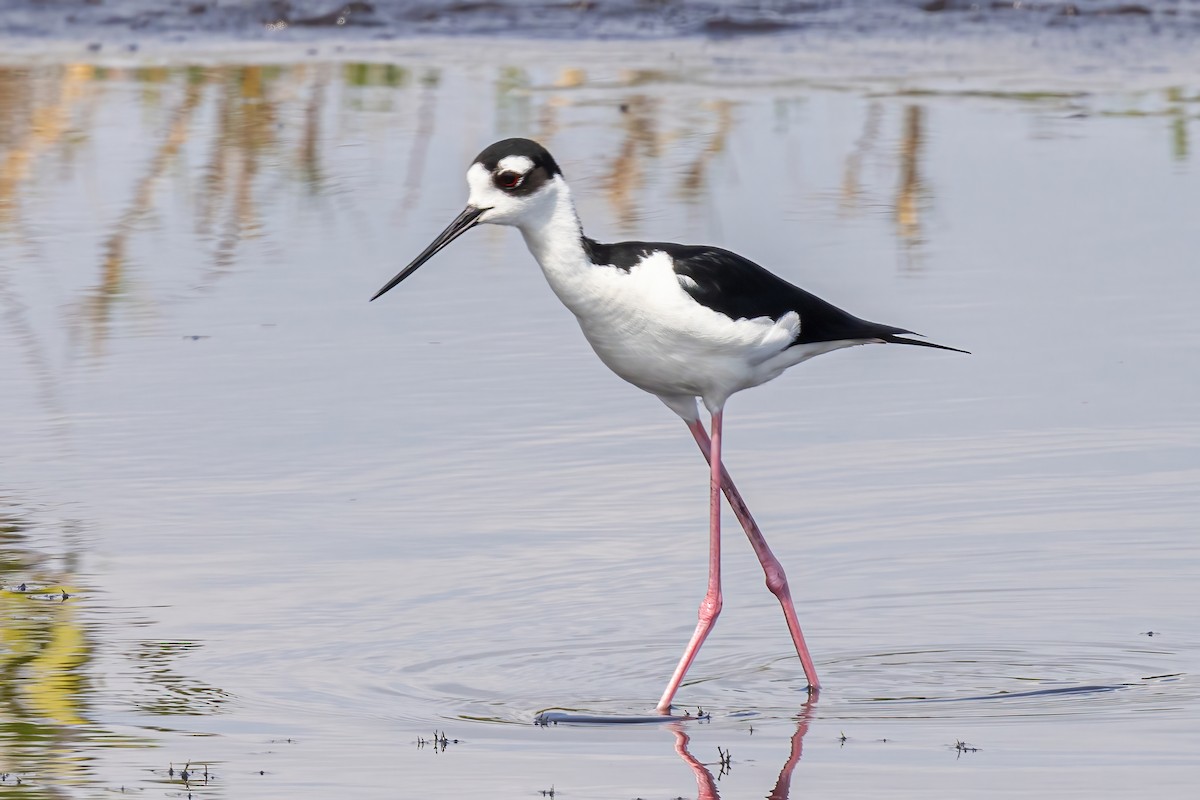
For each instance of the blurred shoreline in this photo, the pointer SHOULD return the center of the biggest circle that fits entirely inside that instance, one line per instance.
(970, 45)
(588, 19)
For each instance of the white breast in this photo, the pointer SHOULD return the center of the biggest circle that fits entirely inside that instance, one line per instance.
(648, 330)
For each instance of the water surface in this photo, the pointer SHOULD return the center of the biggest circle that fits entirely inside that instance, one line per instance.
(298, 533)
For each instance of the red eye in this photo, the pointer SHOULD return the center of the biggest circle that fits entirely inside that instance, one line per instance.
(509, 180)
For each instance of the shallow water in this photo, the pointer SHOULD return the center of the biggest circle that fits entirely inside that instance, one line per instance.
(299, 533)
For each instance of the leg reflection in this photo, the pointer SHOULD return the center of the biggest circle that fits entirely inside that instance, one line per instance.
(706, 784)
(784, 784)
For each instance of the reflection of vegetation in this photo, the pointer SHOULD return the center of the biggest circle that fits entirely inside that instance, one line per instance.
(38, 111)
(911, 189)
(308, 156)
(1179, 138)
(47, 657)
(693, 177)
(513, 102)
(98, 307)
(257, 121)
(247, 121)
(1171, 103)
(1023, 97)
(851, 175)
(624, 180)
(390, 75)
(1176, 109)
(44, 656)
(414, 178)
(375, 85)
(246, 118)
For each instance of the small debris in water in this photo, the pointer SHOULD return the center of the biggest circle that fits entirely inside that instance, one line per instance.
(439, 742)
(963, 747)
(726, 761)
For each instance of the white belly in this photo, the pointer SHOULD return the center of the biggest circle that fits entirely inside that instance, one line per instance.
(648, 330)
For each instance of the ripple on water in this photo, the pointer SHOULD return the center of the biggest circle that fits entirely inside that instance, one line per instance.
(1045, 679)
(510, 686)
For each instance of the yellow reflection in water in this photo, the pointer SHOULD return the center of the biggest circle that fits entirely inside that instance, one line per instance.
(1177, 109)
(44, 656)
(910, 192)
(48, 653)
(36, 116)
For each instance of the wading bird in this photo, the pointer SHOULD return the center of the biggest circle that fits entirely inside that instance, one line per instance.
(683, 322)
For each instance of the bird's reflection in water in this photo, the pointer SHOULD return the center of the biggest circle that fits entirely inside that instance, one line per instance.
(706, 782)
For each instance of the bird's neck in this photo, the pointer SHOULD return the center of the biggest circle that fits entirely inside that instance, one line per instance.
(556, 240)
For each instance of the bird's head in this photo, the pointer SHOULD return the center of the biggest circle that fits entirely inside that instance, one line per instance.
(512, 182)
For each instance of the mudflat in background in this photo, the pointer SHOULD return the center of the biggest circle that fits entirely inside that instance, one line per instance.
(299, 533)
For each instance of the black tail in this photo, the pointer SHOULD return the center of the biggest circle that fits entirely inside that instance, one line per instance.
(896, 337)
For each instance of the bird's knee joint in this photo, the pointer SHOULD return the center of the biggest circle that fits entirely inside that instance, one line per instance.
(710, 609)
(777, 582)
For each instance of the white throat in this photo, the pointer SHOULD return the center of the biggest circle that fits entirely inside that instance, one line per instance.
(554, 235)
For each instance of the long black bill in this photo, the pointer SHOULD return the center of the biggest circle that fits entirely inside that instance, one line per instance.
(468, 219)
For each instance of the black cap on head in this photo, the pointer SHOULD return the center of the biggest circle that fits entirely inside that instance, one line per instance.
(492, 155)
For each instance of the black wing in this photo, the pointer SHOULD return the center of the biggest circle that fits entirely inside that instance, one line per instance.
(740, 289)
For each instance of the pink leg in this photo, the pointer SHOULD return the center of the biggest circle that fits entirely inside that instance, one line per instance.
(776, 579)
(710, 607)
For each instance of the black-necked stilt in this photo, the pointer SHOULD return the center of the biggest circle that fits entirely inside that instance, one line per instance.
(682, 322)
